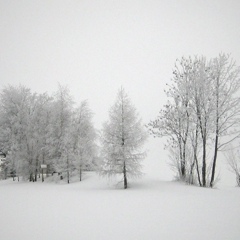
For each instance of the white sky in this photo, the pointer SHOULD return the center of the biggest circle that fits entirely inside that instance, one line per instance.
(96, 46)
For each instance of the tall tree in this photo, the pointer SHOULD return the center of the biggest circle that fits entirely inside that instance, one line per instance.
(60, 137)
(123, 137)
(15, 109)
(174, 120)
(202, 114)
(83, 137)
(226, 80)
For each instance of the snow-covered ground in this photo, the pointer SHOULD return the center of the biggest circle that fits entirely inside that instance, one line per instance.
(96, 209)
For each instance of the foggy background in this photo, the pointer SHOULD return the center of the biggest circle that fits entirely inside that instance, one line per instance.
(95, 47)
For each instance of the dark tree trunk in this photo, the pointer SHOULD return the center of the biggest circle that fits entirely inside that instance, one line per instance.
(5, 173)
(183, 163)
(203, 130)
(214, 161)
(68, 170)
(216, 138)
(125, 175)
(68, 176)
(238, 179)
(42, 176)
(204, 163)
(191, 179)
(80, 174)
(184, 145)
(31, 179)
(198, 174)
(35, 176)
(195, 156)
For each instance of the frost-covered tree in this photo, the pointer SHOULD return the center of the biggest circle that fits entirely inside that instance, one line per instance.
(23, 127)
(201, 116)
(175, 118)
(15, 106)
(123, 137)
(44, 110)
(233, 159)
(60, 138)
(37, 129)
(83, 138)
(226, 84)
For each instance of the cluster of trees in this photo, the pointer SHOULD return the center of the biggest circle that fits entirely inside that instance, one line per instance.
(201, 116)
(37, 129)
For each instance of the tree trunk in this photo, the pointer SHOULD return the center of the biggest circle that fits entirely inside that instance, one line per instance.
(203, 130)
(80, 174)
(42, 176)
(5, 173)
(197, 167)
(214, 161)
(68, 176)
(195, 147)
(31, 179)
(183, 163)
(184, 144)
(216, 138)
(68, 170)
(238, 179)
(204, 163)
(125, 175)
(191, 180)
(35, 176)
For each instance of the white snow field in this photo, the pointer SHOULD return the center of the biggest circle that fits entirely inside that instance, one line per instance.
(96, 209)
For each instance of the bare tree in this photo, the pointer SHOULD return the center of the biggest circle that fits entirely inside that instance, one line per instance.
(202, 111)
(175, 119)
(233, 159)
(226, 80)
